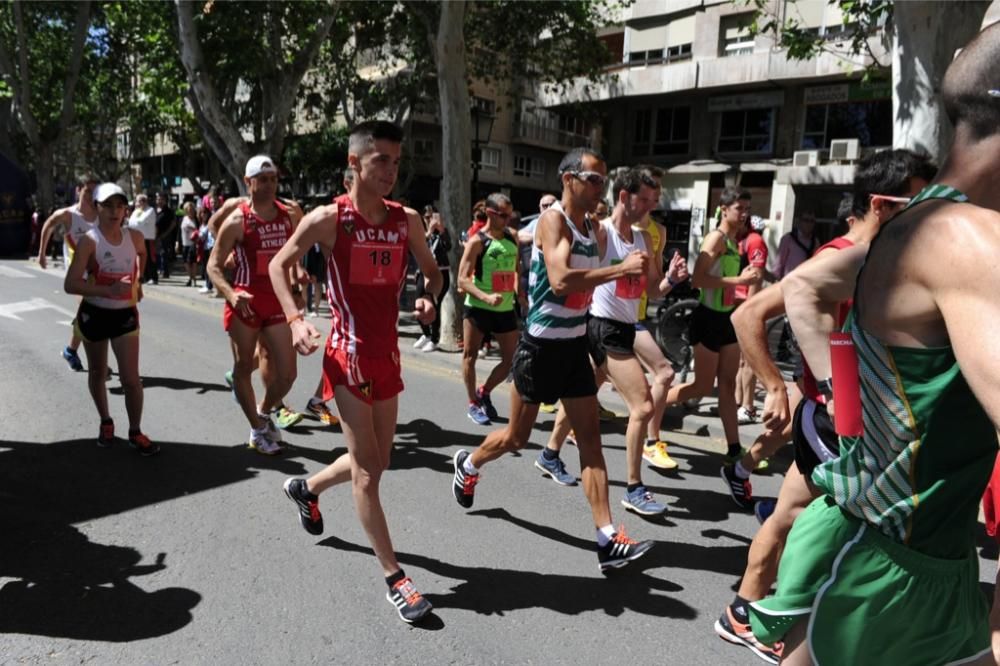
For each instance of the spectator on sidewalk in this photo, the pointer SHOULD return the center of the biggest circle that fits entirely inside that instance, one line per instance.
(189, 237)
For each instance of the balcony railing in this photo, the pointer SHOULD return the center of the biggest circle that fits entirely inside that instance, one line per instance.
(549, 136)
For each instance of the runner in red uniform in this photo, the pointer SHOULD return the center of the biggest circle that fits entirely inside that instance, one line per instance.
(366, 238)
(255, 232)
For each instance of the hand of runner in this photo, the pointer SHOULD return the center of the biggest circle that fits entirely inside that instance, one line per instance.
(120, 288)
(750, 275)
(423, 310)
(678, 269)
(305, 337)
(139, 294)
(635, 263)
(776, 412)
(241, 303)
(493, 299)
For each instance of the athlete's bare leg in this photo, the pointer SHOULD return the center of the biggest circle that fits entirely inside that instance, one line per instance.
(630, 380)
(796, 651)
(126, 350)
(74, 342)
(281, 357)
(97, 357)
(729, 363)
(472, 340)
(765, 550)
(652, 359)
(243, 340)
(511, 438)
(508, 343)
(766, 445)
(369, 431)
(583, 417)
(746, 387)
(706, 366)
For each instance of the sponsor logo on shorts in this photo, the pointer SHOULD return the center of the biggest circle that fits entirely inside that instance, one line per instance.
(366, 389)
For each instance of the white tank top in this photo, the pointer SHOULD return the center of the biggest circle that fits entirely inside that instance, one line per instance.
(78, 226)
(619, 299)
(110, 264)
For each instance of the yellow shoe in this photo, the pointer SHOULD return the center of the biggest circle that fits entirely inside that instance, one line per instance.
(656, 455)
(547, 408)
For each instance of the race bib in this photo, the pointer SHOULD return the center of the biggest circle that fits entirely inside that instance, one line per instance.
(105, 279)
(579, 300)
(503, 281)
(374, 264)
(630, 286)
(264, 258)
(728, 296)
(740, 292)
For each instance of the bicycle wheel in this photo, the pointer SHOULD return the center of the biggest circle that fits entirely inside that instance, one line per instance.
(672, 333)
(783, 347)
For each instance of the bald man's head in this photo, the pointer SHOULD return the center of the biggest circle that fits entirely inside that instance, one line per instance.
(971, 87)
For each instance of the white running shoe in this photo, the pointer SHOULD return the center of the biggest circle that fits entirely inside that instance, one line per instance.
(261, 442)
(745, 417)
(421, 341)
(429, 346)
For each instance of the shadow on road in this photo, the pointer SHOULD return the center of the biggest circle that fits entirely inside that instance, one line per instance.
(65, 585)
(489, 590)
(173, 384)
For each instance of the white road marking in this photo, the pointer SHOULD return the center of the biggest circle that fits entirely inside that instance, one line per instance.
(7, 271)
(12, 310)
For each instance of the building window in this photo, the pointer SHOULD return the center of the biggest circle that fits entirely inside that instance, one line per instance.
(868, 122)
(491, 159)
(679, 52)
(665, 131)
(735, 37)
(488, 107)
(750, 131)
(529, 167)
(423, 150)
(651, 57)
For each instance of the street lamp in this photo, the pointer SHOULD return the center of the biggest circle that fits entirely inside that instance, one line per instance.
(482, 126)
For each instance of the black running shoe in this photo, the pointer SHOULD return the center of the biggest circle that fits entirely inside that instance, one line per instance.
(621, 550)
(733, 631)
(464, 485)
(309, 515)
(409, 603)
(484, 400)
(141, 443)
(739, 489)
(106, 435)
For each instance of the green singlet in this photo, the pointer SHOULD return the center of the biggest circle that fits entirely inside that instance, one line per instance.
(728, 265)
(496, 272)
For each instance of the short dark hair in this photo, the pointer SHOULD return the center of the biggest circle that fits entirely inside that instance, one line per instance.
(573, 160)
(632, 180)
(845, 209)
(364, 135)
(86, 177)
(496, 200)
(888, 172)
(970, 84)
(731, 195)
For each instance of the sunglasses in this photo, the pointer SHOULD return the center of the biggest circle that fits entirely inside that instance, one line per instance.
(886, 197)
(591, 177)
(502, 216)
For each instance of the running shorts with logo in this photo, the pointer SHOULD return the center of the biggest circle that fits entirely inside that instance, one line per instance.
(490, 321)
(712, 328)
(813, 436)
(609, 335)
(95, 324)
(546, 370)
(266, 311)
(368, 378)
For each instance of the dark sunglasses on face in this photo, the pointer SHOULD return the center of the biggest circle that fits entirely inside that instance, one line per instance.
(591, 177)
(499, 214)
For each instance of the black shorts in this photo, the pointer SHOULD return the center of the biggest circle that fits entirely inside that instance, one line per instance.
(712, 329)
(190, 254)
(813, 437)
(490, 321)
(95, 324)
(608, 335)
(548, 370)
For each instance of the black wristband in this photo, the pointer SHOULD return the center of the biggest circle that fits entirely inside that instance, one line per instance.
(825, 386)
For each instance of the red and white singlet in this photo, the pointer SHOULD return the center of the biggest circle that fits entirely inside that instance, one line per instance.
(261, 241)
(365, 276)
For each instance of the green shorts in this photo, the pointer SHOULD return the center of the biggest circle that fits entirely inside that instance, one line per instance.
(871, 600)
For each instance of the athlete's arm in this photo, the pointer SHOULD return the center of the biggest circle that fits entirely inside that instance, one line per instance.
(221, 215)
(813, 293)
(298, 272)
(749, 320)
(319, 226)
(466, 272)
(556, 244)
(62, 217)
(139, 241)
(711, 249)
(230, 234)
(433, 281)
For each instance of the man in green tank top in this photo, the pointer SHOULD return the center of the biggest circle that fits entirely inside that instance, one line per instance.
(489, 274)
(882, 568)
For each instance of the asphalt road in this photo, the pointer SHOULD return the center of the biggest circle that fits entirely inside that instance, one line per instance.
(196, 557)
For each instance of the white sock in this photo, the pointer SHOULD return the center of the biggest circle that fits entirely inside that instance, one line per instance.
(604, 535)
(258, 431)
(468, 467)
(740, 470)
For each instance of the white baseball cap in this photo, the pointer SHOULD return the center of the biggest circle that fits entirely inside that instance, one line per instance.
(259, 164)
(105, 191)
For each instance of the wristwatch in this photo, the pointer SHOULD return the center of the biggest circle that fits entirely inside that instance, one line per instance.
(825, 386)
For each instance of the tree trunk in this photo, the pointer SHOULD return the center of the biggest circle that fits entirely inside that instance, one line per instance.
(44, 176)
(924, 44)
(456, 151)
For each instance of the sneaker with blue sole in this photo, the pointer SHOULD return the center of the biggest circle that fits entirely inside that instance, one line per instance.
(556, 470)
(478, 414)
(73, 359)
(763, 509)
(484, 400)
(641, 501)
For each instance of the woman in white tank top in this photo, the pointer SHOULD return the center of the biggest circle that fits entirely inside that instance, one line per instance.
(105, 271)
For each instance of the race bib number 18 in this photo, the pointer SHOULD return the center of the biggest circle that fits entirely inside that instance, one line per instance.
(375, 265)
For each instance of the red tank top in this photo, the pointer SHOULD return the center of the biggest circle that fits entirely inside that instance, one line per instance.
(365, 277)
(261, 241)
(808, 379)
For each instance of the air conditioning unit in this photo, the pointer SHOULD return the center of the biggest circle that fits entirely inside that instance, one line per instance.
(845, 149)
(806, 158)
